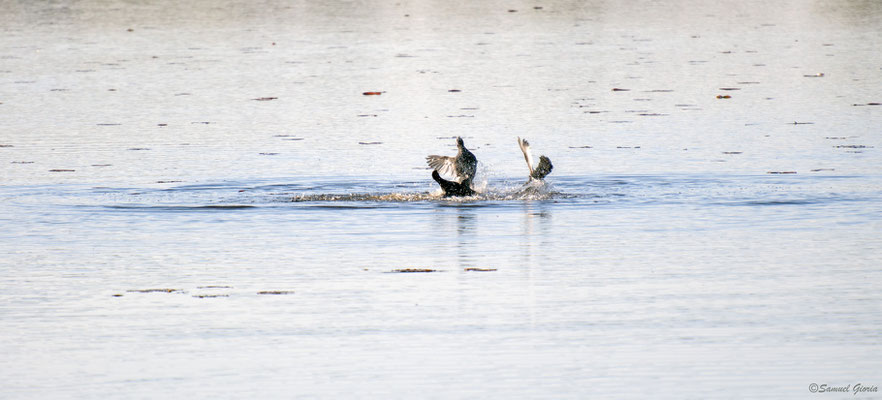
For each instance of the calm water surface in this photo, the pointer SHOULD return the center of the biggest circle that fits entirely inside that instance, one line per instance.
(198, 200)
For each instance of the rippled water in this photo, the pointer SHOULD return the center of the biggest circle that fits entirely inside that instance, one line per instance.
(199, 201)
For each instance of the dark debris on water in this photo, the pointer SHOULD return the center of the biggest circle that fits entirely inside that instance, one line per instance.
(162, 290)
(413, 270)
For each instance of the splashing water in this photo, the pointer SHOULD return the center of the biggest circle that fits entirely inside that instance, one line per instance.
(533, 190)
(507, 190)
(479, 184)
(384, 197)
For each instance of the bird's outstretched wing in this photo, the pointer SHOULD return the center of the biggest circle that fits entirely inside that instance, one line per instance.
(525, 148)
(444, 165)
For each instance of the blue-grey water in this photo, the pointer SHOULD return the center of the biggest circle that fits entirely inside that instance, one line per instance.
(199, 201)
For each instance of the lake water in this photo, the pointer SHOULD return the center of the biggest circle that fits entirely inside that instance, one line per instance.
(198, 200)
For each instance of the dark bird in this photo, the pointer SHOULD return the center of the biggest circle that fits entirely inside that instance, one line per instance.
(452, 188)
(460, 167)
(540, 171)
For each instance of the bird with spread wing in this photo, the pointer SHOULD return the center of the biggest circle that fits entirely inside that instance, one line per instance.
(540, 171)
(461, 167)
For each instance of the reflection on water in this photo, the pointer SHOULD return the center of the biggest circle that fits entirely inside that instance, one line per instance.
(198, 199)
(465, 236)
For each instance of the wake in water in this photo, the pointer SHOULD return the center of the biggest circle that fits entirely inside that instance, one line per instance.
(533, 190)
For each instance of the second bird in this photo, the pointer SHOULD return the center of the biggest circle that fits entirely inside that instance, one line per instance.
(460, 167)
